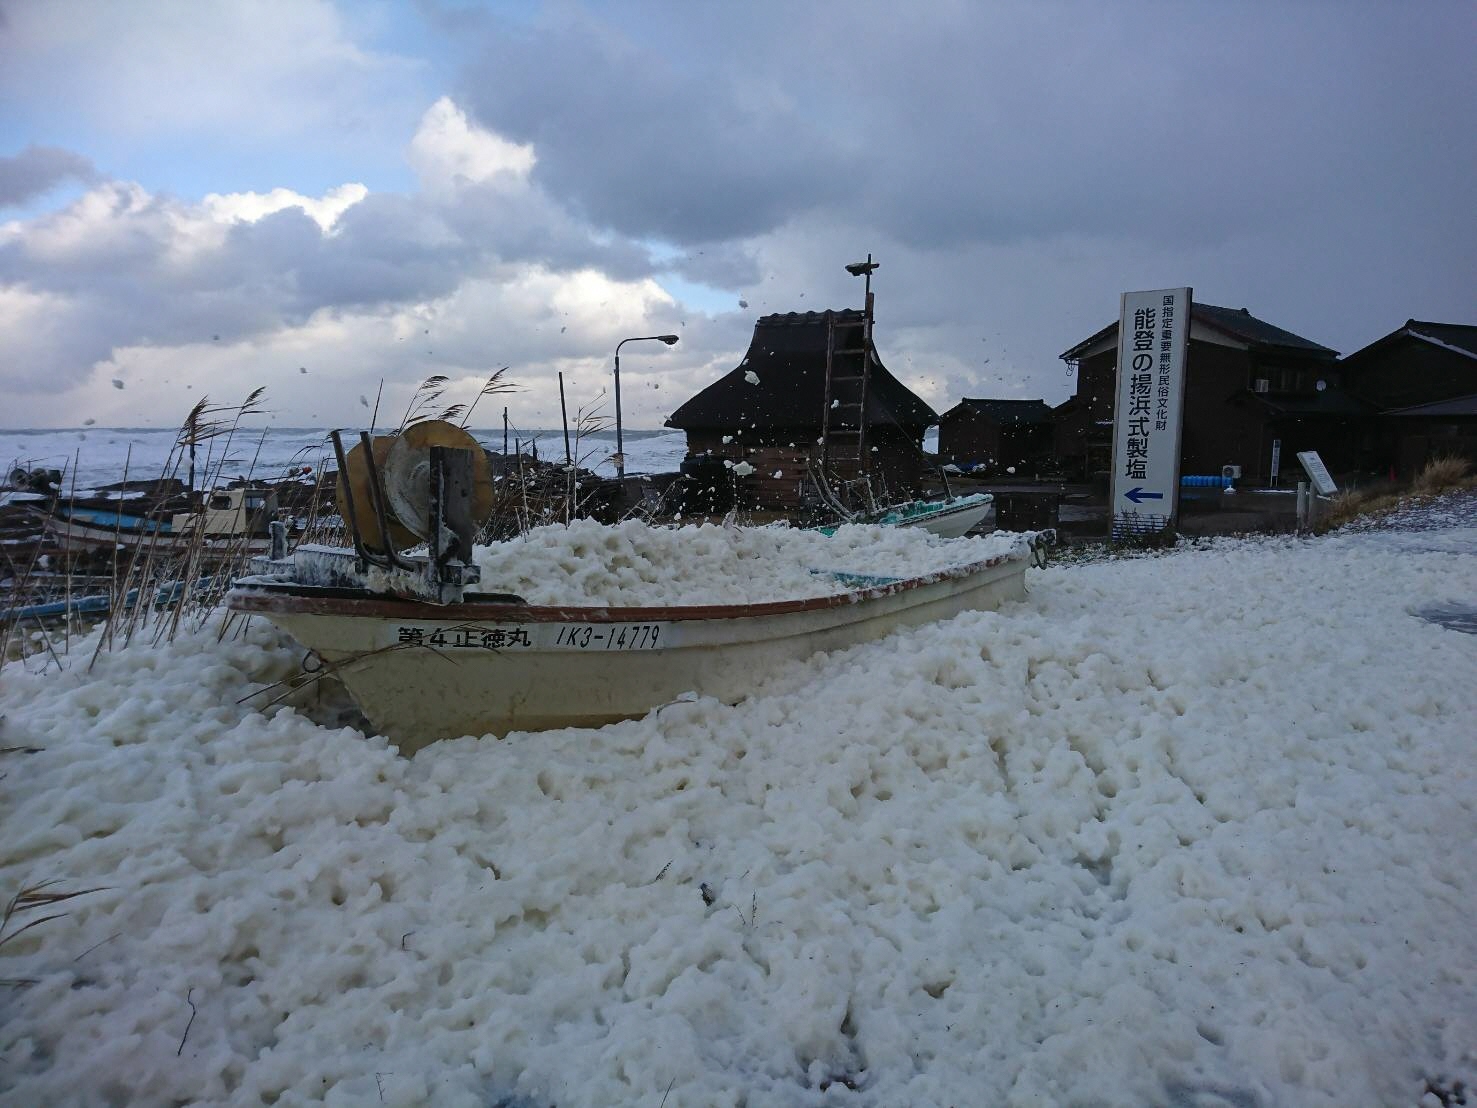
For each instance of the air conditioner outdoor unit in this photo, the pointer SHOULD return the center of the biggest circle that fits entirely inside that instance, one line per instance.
(1231, 473)
(1262, 385)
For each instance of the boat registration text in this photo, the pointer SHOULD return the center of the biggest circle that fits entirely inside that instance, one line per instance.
(546, 636)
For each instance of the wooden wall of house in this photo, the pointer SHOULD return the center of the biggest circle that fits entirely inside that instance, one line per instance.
(1078, 429)
(1344, 445)
(967, 436)
(781, 460)
(1411, 372)
(1419, 439)
(1222, 424)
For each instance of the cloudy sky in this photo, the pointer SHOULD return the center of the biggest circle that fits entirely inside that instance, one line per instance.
(200, 198)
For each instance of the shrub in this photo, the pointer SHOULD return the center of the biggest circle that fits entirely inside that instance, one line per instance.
(1440, 474)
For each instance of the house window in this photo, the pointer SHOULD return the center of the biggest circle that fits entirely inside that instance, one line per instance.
(1285, 378)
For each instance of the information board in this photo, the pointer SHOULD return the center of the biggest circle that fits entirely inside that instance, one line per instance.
(1317, 472)
(1153, 332)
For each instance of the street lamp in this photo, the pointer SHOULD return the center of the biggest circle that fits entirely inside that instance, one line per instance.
(620, 446)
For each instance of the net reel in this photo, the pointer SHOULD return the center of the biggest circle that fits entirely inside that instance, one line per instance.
(431, 484)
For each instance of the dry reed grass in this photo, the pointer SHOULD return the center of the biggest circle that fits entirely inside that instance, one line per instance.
(156, 587)
(1442, 474)
(1439, 475)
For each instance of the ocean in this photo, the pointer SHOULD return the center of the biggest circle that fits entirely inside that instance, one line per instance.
(95, 456)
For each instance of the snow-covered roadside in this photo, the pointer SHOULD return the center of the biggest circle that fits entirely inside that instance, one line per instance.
(1171, 829)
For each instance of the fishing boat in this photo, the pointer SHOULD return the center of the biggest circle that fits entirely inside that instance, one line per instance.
(231, 519)
(490, 664)
(949, 518)
(426, 656)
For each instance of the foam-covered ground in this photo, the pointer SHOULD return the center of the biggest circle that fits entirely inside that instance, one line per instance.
(1193, 830)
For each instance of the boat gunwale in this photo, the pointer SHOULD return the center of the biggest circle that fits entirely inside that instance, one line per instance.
(289, 598)
(947, 509)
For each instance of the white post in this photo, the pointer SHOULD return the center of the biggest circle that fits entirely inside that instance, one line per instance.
(1302, 522)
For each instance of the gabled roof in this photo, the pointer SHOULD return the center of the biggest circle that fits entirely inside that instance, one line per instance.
(1007, 413)
(1456, 406)
(1237, 323)
(1460, 338)
(788, 356)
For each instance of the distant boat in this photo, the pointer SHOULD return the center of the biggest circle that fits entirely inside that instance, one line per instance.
(231, 520)
(97, 605)
(949, 518)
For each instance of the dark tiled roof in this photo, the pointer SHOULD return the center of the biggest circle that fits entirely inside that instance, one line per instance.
(810, 319)
(1010, 413)
(788, 355)
(1456, 406)
(1237, 322)
(1258, 332)
(1460, 338)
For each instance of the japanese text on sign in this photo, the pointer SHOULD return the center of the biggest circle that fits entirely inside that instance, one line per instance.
(1152, 340)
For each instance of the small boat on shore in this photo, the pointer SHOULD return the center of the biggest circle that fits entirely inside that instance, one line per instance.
(490, 664)
(231, 520)
(426, 656)
(948, 519)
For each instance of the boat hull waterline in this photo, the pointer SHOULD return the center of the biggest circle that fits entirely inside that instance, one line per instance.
(421, 672)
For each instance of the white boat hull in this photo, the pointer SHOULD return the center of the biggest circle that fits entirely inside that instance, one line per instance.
(952, 521)
(422, 672)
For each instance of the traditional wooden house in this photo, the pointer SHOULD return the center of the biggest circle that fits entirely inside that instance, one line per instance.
(1252, 390)
(1003, 436)
(1422, 432)
(811, 392)
(1419, 363)
(1422, 378)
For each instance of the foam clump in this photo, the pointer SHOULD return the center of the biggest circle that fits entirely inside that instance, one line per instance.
(635, 564)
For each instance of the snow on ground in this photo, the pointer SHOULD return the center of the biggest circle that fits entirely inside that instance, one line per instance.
(633, 563)
(1192, 830)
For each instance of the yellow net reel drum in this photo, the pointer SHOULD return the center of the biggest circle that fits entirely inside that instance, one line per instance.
(403, 464)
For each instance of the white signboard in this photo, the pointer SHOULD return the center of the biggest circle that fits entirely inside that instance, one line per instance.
(1276, 460)
(1317, 472)
(1153, 331)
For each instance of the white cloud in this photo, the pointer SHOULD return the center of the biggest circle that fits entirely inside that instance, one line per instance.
(249, 207)
(449, 152)
(510, 317)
